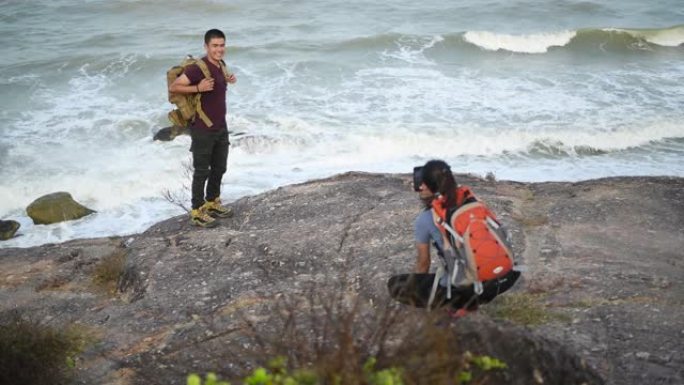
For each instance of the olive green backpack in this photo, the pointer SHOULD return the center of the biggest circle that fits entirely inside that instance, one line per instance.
(188, 105)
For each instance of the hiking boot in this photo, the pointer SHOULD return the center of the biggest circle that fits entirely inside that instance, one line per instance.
(216, 210)
(199, 217)
(461, 312)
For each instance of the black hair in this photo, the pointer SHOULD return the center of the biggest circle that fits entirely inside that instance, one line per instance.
(439, 179)
(213, 34)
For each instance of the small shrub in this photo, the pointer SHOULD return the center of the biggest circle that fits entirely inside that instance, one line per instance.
(329, 335)
(108, 271)
(35, 354)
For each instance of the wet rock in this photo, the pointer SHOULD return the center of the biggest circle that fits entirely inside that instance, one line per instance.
(8, 229)
(170, 133)
(56, 207)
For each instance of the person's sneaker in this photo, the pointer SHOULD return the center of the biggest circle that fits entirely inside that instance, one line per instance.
(216, 210)
(199, 217)
(461, 312)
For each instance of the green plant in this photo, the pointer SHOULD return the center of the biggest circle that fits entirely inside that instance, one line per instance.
(277, 374)
(389, 376)
(488, 363)
(33, 353)
(478, 363)
(210, 379)
(329, 335)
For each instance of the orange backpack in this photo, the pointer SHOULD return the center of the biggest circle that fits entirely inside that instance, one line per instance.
(479, 248)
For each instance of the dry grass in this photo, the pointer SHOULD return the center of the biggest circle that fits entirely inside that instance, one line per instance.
(108, 270)
(523, 309)
(530, 220)
(545, 284)
(53, 283)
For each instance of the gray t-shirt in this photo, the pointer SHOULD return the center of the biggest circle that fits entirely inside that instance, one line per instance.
(426, 231)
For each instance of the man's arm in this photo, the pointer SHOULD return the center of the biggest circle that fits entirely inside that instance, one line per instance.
(182, 85)
(423, 257)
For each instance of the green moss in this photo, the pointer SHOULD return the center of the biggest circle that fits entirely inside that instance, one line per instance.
(522, 308)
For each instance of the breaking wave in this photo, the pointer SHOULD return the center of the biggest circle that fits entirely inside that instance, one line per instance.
(626, 39)
(616, 39)
(533, 43)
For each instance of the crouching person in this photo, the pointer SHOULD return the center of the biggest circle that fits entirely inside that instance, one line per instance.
(474, 253)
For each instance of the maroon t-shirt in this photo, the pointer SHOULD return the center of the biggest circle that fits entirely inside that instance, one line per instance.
(213, 102)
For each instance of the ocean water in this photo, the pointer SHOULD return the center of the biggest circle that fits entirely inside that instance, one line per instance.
(535, 90)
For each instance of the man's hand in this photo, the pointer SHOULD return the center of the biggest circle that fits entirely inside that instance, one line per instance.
(206, 85)
(232, 79)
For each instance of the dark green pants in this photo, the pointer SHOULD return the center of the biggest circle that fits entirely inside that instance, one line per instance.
(209, 160)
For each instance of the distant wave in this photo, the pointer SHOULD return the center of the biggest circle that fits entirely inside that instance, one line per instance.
(667, 37)
(615, 39)
(542, 42)
(534, 43)
(560, 149)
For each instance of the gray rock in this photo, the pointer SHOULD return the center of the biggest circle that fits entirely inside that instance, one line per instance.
(8, 229)
(56, 207)
(169, 133)
(589, 259)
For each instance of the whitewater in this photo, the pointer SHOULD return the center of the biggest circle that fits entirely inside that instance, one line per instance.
(526, 90)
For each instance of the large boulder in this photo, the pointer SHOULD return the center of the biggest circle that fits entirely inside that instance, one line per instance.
(56, 207)
(8, 229)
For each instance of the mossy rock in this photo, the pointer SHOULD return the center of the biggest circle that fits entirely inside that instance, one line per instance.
(8, 229)
(56, 207)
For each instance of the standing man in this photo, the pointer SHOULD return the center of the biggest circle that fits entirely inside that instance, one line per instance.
(208, 130)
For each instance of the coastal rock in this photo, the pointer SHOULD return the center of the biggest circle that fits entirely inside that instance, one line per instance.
(8, 229)
(599, 258)
(56, 207)
(169, 133)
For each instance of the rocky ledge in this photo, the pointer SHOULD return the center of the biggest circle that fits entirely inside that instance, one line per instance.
(603, 258)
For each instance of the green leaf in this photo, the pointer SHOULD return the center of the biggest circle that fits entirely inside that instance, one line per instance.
(369, 365)
(465, 377)
(194, 379)
(211, 379)
(259, 377)
(488, 363)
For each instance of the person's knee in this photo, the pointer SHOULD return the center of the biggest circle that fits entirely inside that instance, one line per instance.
(201, 172)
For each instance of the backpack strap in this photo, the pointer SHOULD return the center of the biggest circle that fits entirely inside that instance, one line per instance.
(200, 112)
(438, 276)
(225, 70)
